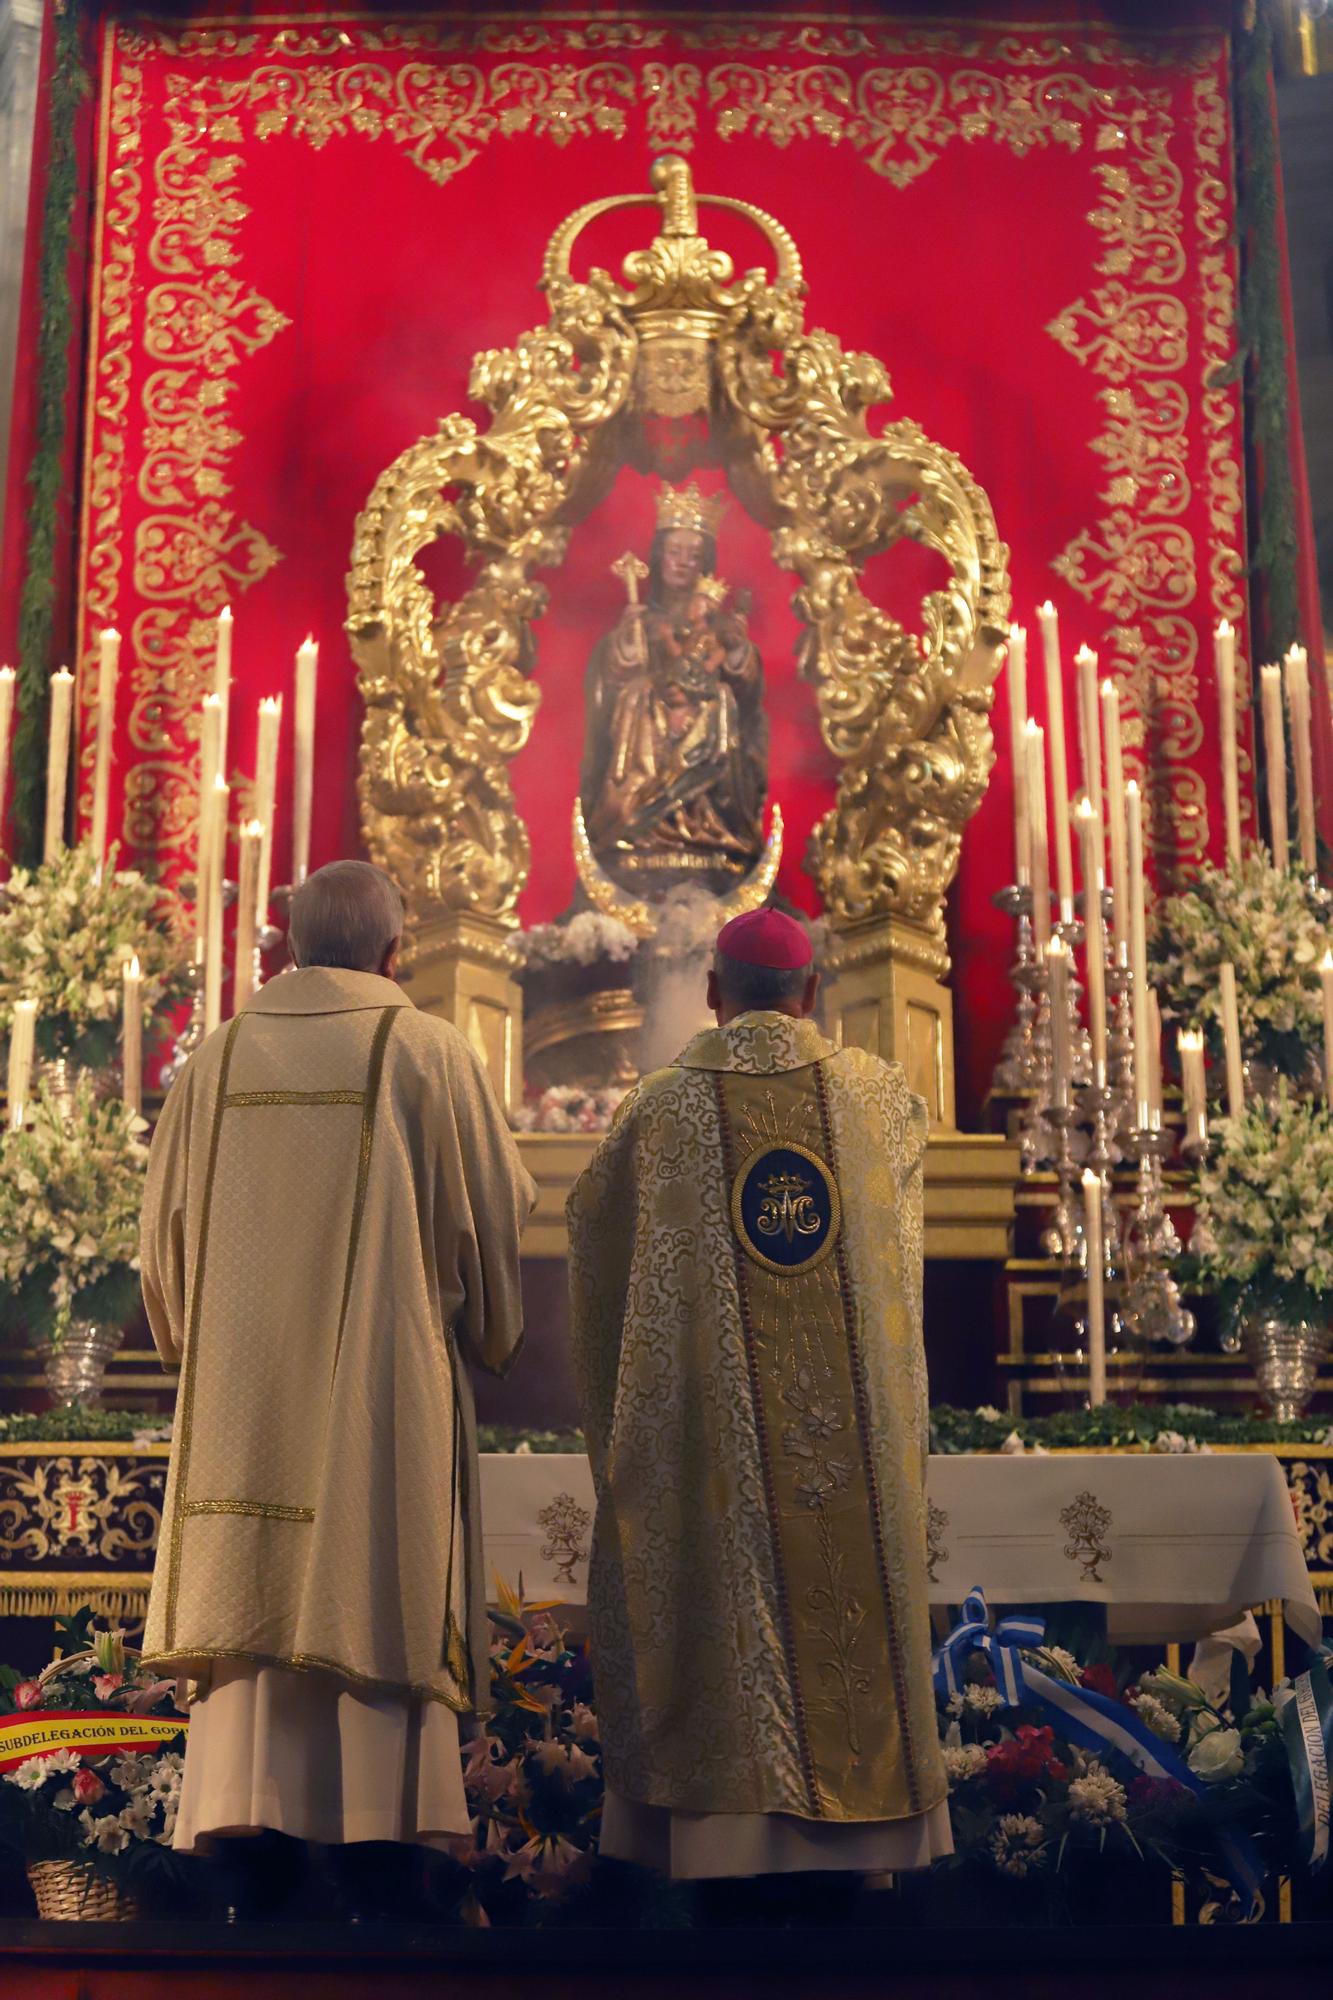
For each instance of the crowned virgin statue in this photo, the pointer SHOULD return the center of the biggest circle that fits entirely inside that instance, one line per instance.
(675, 761)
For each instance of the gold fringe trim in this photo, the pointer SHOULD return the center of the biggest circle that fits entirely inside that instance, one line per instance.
(57, 1601)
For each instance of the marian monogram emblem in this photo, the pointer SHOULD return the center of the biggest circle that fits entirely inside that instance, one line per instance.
(785, 1208)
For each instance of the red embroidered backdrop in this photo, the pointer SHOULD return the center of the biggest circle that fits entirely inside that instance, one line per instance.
(304, 229)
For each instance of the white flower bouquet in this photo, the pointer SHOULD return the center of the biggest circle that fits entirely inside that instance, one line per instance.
(97, 1807)
(1264, 921)
(71, 1187)
(1264, 1225)
(67, 930)
(579, 940)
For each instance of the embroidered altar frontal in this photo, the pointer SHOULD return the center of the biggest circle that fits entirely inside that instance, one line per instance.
(306, 226)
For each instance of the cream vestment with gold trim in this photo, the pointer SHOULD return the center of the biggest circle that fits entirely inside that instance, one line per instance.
(330, 1231)
(746, 1273)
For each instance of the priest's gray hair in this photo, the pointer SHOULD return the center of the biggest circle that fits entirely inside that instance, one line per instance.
(346, 914)
(752, 988)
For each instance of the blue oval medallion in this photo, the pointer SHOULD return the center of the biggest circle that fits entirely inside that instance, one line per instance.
(785, 1209)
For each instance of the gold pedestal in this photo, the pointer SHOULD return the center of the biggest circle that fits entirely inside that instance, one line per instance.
(884, 991)
(463, 968)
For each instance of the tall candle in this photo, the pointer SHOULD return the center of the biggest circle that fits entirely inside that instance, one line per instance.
(1089, 718)
(108, 671)
(1296, 677)
(6, 730)
(247, 882)
(1189, 1043)
(209, 771)
(1326, 982)
(266, 791)
(1057, 973)
(1016, 674)
(1224, 660)
(1115, 810)
(217, 856)
(1226, 983)
(57, 762)
(1154, 1060)
(1092, 1231)
(303, 757)
(1092, 851)
(131, 1035)
(1055, 723)
(222, 680)
(1138, 950)
(1275, 761)
(1041, 865)
(22, 1042)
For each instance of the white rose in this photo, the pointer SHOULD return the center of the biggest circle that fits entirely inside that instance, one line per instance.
(1217, 1755)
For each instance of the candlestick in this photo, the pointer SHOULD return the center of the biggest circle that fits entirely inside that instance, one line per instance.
(1092, 1227)
(1016, 675)
(1226, 981)
(266, 786)
(217, 854)
(57, 762)
(1091, 852)
(7, 678)
(108, 670)
(1189, 1044)
(1296, 679)
(131, 1035)
(1115, 812)
(22, 1042)
(247, 880)
(222, 681)
(209, 772)
(1154, 1012)
(1138, 947)
(1089, 720)
(303, 762)
(1055, 723)
(1224, 660)
(1040, 853)
(1275, 762)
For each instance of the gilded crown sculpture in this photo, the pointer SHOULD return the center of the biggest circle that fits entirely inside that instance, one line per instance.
(453, 690)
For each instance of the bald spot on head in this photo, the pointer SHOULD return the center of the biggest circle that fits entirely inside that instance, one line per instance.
(349, 915)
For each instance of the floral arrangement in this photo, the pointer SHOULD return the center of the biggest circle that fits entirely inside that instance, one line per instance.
(580, 940)
(71, 1187)
(97, 1808)
(1268, 924)
(533, 1774)
(1025, 1803)
(1164, 1427)
(1262, 1226)
(571, 1108)
(67, 930)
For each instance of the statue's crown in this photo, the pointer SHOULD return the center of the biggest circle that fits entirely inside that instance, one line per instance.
(687, 507)
(712, 589)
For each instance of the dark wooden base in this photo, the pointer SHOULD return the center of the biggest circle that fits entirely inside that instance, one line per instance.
(269, 1962)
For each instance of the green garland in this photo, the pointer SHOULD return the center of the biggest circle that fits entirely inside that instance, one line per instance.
(1137, 1425)
(1263, 335)
(70, 84)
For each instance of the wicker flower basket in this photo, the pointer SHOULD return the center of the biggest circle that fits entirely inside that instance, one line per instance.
(70, 1891)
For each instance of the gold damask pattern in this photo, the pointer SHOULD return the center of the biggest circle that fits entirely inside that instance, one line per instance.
(778, 79)
(785, 1615)
(94, 1507)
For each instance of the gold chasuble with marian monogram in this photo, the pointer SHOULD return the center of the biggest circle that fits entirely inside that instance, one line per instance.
(746, 1270)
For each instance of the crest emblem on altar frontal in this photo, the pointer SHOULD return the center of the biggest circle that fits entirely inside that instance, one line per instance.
(681, 366)
(786, 1210)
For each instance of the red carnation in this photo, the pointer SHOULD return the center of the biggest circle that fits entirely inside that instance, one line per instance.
(1099, 1680)
(88, 1787)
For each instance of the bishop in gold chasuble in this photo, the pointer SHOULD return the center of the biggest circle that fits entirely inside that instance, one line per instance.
(746, 1274)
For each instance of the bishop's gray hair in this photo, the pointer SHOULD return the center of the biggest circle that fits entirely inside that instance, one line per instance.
(753, 988)
(346, 914)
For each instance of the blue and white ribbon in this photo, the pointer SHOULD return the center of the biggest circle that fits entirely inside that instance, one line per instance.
(1093, 1721)
(1307, 1730)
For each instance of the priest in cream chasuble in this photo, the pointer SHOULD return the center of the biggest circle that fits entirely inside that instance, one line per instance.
(330, 1238)
(746, 1276)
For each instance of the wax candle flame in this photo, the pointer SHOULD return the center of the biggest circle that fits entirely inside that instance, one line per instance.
(132, 969)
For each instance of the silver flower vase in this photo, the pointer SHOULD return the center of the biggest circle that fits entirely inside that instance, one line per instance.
(77, 1361)
(1285, 1355)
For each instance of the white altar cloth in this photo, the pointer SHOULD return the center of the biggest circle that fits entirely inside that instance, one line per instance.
(1174, 1547)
